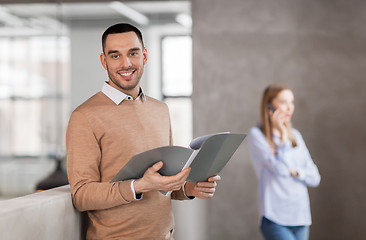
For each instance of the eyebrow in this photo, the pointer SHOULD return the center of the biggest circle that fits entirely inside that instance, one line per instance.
(134, 49)
(112, 51)
(131, 50)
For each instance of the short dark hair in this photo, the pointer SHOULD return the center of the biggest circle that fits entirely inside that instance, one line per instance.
(121, 28)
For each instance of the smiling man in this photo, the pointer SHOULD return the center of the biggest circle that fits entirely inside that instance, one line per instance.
(124, 57)
(106, 131)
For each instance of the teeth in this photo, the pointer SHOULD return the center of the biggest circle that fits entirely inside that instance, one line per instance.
(126, 74)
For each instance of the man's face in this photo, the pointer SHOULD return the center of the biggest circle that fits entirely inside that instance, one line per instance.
(124, 58)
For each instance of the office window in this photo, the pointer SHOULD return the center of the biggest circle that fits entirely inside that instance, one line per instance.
(177, 85)
(34, 77)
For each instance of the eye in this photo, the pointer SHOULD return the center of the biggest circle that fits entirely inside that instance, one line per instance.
(134, 54)
(115, 56)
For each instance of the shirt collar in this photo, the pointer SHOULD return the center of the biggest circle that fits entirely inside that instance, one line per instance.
(117, 96)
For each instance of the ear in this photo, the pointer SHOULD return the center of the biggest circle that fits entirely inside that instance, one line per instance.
(103, 60)
(144, 52)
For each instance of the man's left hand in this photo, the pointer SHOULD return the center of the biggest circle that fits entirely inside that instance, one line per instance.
(202, 190)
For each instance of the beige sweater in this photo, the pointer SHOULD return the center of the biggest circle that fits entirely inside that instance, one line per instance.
(101, 137)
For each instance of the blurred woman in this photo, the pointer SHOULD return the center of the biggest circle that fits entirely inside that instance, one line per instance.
(284, 168)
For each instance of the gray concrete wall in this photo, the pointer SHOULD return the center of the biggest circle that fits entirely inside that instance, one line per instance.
(317, 47)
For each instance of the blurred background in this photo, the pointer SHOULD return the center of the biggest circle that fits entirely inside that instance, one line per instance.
(210, 61)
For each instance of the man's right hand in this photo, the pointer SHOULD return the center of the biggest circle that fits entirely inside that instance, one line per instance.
(153, 181)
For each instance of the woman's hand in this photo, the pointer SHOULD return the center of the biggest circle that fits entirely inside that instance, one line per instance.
(294, 173)
(278, 123)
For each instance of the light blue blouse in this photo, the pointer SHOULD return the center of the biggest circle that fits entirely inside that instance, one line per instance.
(283, 199)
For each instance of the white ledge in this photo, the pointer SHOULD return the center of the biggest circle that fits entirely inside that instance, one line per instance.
(44, 215)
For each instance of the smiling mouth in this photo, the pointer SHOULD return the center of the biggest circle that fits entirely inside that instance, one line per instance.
(127, 74)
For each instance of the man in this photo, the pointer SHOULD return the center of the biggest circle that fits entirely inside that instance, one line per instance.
(106, 131)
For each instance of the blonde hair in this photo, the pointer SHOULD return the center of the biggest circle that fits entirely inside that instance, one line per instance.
(266, 127)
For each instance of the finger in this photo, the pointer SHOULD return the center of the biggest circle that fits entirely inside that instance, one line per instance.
(170, 188)
(173, 186)
(156, 167)
(207, 184)
(205, 195)
(270, 114)
(181, 176)
(205, 190)
(214, 178)
(175, 180)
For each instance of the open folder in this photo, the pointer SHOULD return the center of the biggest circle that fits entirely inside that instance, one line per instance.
(207, 156)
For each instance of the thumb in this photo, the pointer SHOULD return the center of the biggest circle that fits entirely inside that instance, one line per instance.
(157, 166)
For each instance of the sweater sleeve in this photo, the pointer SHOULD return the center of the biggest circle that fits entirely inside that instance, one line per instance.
(83, 160)
(179, 195)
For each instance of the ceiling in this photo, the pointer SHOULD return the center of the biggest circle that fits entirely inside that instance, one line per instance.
(56, 15)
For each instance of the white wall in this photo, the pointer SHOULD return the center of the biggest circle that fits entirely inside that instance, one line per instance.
(87, 74)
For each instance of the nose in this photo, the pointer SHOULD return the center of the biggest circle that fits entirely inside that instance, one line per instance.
(290, 107)
(125, 62)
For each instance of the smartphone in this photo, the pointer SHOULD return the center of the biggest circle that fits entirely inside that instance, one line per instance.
(271, 107)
